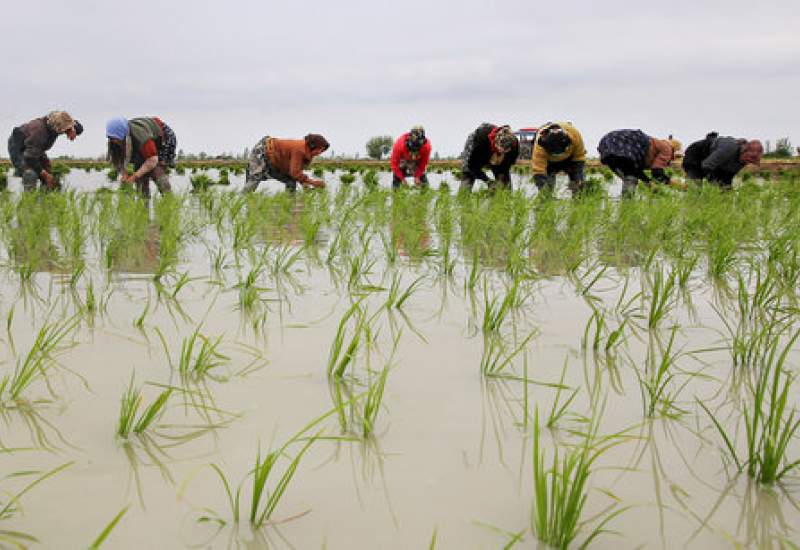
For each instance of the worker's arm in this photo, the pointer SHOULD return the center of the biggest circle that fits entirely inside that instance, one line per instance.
(424, 157)
(397, 154)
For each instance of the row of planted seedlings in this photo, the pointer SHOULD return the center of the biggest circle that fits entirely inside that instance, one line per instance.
(508, 235)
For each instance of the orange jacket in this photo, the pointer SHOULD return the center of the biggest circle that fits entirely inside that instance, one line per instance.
(290, 157)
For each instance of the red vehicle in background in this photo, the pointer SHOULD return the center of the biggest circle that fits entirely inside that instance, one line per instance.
(526, 137)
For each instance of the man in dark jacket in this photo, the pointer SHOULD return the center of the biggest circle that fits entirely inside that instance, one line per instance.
(29, 143)
(719, 159)
(489, 146)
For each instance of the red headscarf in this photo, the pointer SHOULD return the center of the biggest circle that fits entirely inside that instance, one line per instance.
(751, 152)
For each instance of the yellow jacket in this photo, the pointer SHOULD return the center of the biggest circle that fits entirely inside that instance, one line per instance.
(575, 152)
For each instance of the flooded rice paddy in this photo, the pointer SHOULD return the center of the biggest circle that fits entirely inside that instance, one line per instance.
(358, 368)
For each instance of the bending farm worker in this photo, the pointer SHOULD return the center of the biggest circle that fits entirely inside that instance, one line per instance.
(284, 160)
(489, 146)
(410, 156)
(630, 152)
(146, 142)
(719, 159)
(558, 148)
(29, 143)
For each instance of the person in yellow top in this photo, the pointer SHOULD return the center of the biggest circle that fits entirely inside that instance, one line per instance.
(558, 147)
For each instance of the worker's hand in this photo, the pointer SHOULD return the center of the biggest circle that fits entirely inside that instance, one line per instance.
(418, 182)
(49, 180)
(127, 178)
(315, 184)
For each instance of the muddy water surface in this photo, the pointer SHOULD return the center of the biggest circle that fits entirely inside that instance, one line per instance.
(451, 449)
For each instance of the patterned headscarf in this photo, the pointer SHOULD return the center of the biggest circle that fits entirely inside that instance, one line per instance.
(415, 139)
(751, 152)
(60, 121)
(504, 138)
(117, 128)
(554, 140)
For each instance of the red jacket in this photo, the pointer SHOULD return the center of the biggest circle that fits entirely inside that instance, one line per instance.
(401, 154)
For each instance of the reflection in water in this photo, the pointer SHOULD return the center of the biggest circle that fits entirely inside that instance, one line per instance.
(129, 256)
(42, 433)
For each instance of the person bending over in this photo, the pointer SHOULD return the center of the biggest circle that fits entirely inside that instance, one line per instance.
(558, 148)
(493, 147)
(630, 152)
(284, 160)
(719, 159)
(149, 144)
(410, 156)
(29, 143)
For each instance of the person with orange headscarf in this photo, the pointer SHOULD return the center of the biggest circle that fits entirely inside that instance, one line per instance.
(630, 152)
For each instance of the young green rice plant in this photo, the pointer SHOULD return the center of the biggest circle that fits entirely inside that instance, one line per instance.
(341, 356)
(51, 340)
(266, 496)
(597, 321)
(771, 422)
(373, 401)
(662, 297)
(495, 310)
(284, 259)
(559, 408)
(129, 418)
(395, 298)
(200, 355)
(371, 179)
(658, 392)
(347, 178)
(249, 289)
(562, 489)
(497, 356)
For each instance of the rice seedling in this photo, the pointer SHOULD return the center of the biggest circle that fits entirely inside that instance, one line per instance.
(661, 298)
(51, 340)
(597, 336)
(562, 489)
(497, 357)
(559, 408)
(656, 383)
(770, 422)
(200, 355)
(263, 501)
(373, 401)
(129, 418)
(495, 310)
(395, 298)
(341, 356)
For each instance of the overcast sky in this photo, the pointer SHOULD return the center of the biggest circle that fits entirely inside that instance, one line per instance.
(223, 74)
